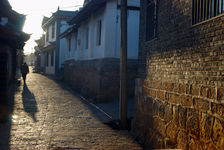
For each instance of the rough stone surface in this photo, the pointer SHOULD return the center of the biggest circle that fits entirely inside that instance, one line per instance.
(168, 116)
(174, 98)
(193, 122)
(99, 79)
(48, 115)
(201, 104)
(171, 132)
(203, 91)
(218, 109)
(159, 126)
(182, 117)
(182, 140)
(218, 131)
(184, 65)
(211, 93)
(220, 94)
(206, 124)
(195, 144)
(186, 100)
(161, 95)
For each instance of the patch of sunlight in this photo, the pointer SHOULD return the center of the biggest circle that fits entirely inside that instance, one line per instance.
(14, 118)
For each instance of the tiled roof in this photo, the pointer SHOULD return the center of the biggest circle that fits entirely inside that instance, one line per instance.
(11, 32)
(85, 12)
(49, 47)
(58, 14)
(64, 13)
(68, 31)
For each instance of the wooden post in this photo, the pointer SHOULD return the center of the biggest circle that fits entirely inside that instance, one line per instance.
(123, 65)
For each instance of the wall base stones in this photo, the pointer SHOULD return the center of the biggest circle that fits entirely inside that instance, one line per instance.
(180, 90)
(177, 119)
(99, 79)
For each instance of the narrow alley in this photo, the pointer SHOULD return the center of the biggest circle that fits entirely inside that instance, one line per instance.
(48, 115)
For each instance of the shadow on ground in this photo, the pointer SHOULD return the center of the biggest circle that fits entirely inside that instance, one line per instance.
(107, 112)
(5, 127)
(96, 112)
(29, 102)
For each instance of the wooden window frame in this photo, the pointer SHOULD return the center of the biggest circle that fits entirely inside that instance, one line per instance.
(47, 60)
(203, 10)
(47, 35)
(53, 30)
(87, 38)
(52, 58)
(151, 19)
(69, 44)
(98, 33)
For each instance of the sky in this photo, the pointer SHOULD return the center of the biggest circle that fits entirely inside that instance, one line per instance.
(35, 10)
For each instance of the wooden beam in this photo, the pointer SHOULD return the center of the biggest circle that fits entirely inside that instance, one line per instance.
(123, 66)
(217, 7)
(206, 9)
(193, 12)
(221, 6)
(203, 10)
(209, 8)
(196, 11)
(199, 11)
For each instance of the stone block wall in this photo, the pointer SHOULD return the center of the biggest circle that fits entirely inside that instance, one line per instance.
(99, 79)
(180, 89)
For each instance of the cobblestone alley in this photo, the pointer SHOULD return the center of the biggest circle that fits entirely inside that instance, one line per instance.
(47, 115)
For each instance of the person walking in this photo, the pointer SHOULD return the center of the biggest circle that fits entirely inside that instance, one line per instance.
(24, 71)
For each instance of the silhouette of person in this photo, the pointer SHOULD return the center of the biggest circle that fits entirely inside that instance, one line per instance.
(24, 71)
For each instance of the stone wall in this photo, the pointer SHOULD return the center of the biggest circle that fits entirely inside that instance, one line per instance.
(180, 90)
(99, 79)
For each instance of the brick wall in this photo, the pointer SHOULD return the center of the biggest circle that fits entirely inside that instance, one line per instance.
(180, 90)
(99, 79)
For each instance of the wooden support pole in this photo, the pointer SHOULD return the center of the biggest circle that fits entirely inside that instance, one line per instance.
(123, 65)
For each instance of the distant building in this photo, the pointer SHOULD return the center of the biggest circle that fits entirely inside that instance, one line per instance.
(39, 58)
(92, 53)
(180, 90)
(29, 59)
(52, 58)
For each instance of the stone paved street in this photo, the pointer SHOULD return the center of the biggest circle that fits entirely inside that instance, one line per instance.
(48, 115)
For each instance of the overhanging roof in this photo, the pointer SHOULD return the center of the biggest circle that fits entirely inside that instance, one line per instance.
(11, 32)
(68, 31)
(15, 38)
(49, 47)
(86, 11)
(59, 14)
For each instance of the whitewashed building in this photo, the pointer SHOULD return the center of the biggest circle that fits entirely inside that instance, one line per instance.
(92, 52)
(52, 56)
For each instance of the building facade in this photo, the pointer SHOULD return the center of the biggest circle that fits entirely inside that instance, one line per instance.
(52, 57)
(92, 55)
(38, 66)
(12, 40)
(180, 89)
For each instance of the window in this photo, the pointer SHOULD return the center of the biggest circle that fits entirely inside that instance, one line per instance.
(53, 30)
(205, 9)
(47, 35)
(47, 59)
(87, 38)
(52, 58)
(98, 36)
(75, 42)
(69, 44)
(151, 19)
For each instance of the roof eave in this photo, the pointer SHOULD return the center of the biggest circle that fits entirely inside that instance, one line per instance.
(87, 10)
